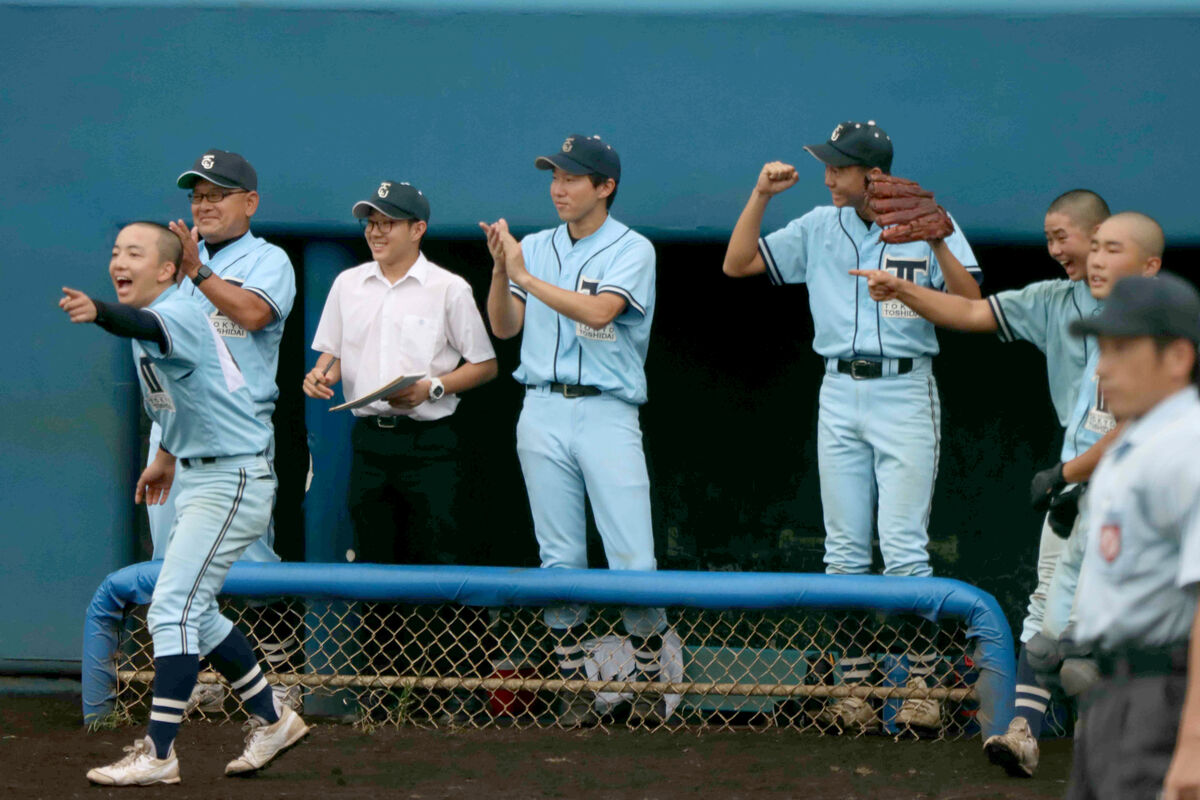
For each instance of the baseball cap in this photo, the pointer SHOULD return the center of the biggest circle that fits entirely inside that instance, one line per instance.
(855, 144)
(396, 199)
(221, 168)
(1166, 305)
(583, 155)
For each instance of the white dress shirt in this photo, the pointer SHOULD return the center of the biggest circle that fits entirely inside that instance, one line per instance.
(424, 323)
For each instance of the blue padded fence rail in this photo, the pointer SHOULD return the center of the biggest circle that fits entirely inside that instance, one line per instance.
(931, 598)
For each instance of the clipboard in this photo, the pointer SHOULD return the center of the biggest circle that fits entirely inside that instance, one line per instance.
(403, 382)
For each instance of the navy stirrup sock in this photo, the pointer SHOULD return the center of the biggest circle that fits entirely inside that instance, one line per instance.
(234, 659)
(174, 678)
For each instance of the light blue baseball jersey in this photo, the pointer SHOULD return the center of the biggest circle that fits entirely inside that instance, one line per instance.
(1138, 583)
(1042, 313)
(194, 389)
(266, 270)
(822, 246)
(556, 349)
(1090, 419)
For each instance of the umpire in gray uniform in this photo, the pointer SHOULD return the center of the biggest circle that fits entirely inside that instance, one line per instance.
(1141, 571)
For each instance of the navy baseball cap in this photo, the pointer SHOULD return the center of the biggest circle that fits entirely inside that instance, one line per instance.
(1166, 305)
(220, 168)
(583, 155)
(863, 144)
(395, 199)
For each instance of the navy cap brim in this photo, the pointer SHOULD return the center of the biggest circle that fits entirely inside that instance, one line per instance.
(188, 179)
(362, 209)
(828, 154)
(1098, 326)
(563, 162)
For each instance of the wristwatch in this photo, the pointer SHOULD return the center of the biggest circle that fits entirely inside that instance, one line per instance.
(436, 389)
(202, 274)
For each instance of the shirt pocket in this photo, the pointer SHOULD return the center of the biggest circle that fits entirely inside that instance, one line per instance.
(418, 340)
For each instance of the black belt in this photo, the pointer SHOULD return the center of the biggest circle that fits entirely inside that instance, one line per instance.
(196, 461)
(400, 422)
(570, 389)
(1140, 661)
(862, 369)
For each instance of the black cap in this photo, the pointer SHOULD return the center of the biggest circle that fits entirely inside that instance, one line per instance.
(583, 155)
(396, 199)
(1137, 306)
(862, 144)
(221, 168)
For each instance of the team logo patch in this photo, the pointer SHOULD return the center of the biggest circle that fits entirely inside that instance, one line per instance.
(157, 396)
(207, 162)
(1110, 541)
(606, 334)
(908, 269)
(384, 188)
(837, 133)
(226, 327)
(568, 144)
(1099, 419)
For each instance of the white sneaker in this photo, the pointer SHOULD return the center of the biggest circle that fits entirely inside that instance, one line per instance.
(265, 742)
(139, 767)
(849, 714)
(923, 713)
(207, 697)
(289, 696)
(1016, 750)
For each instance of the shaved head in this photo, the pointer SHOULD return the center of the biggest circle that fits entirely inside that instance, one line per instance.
(1085, 208)
(1144, 231)
(169, 248)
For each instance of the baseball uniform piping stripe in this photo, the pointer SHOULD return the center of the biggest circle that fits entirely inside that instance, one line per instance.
(1006, 333)
(160, 716)
(1026, 703)
(937, 445)
(617, 290)
(878, 305)
(558, 326)
(168, 703)
(247, 678)
(518, 292)
(254, 688)
(275, 312)
(857, 261)
(768, 258)
(166, 334)
(187, 607)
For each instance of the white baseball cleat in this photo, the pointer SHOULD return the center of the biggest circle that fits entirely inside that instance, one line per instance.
(264, 742)
(925, 713)
(1015, 750)
(849, 714)
(207, 697)
(139, 767)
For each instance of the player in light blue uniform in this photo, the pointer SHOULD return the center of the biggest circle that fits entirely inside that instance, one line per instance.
(1040, 313)
(583, 296)
(246, 287)
(192, 387)
(879, 424)
(1137, 594)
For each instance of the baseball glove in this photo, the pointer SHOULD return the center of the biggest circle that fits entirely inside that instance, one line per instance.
(905, 211)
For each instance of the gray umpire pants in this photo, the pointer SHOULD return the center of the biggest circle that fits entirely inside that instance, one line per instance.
(1126, 737)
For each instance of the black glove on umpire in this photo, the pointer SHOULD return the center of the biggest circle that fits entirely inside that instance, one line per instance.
(1064, 508)
(1044, 486)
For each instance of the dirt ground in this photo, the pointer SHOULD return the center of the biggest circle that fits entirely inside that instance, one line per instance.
(45, 753)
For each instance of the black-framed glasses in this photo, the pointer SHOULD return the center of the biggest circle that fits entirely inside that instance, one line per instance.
(215, 196)
(381, 225)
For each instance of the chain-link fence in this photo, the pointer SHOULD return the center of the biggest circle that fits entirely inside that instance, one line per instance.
(438, 665)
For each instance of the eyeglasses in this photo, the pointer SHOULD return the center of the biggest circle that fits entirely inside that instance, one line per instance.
(381, 225)
(215, 196)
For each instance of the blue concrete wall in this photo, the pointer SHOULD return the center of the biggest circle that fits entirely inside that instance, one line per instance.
(101, 107)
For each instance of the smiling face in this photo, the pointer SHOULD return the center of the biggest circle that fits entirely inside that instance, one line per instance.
(1068, 244)
(847, 185)
(138, 271)
(393, 241)
(226, 219)
(1116, 253)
